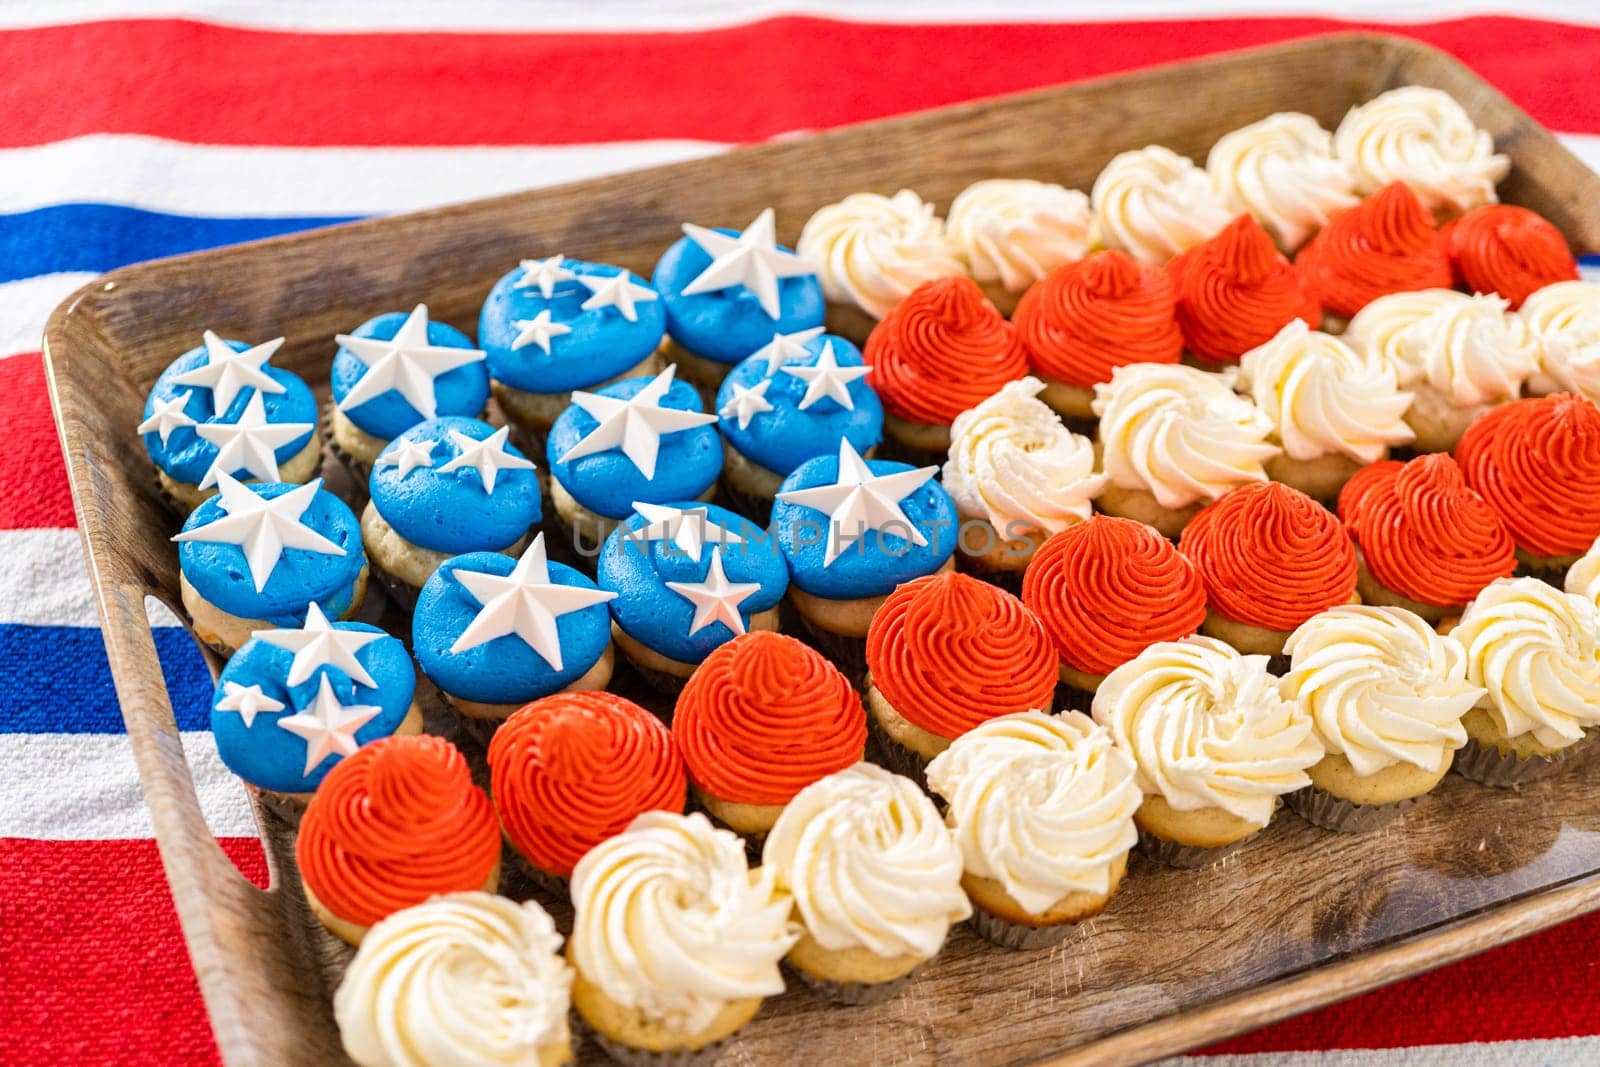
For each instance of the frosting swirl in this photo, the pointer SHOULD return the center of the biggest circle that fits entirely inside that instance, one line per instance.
(1465, 350)
(1382, 687)
(764, 716)
(1422, 137)
(1583, 577)
(870, 864)
(1155, 203)
(1083, 321)
(1042, 804)
(1537, 463)
(1423, 533)
(1536, 650)
(396, 823)
(1270, 556)
(573, 769)
(1014, 230)
(1236, 291)
(1501, 248)
(1282, 171)
(1207, 728)
(464, 978)
(1107, 588)
(1564, 319)
(1181, 433)
(672, 922)
(1385, 244)
(872, 250)
(949, 651)
(942, 350)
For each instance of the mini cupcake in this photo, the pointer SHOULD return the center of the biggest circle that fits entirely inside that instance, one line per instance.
(222, 409)
(647, 996)
(1084, 320)
(762, 718)
(1017, 476)
(788, 402)
(1043, 808)
(394, 824)
(558, 324)
(1536, 652)
(1334, 410)
(1422, 137)
(569, 771)
(1386, 694)
(464, 978)
(686, 580)
(1012, 232)
(256, 556)
(1154, 203)
(726, 294)
(443, 488)
(1213, 743)
(1564, 320)
(876, 881)
(293, 703)
(1104, 590)
(1425, 542)
(946, 653)
(395, 371)
(1386, 244)
(1172, 439)
(639, 439)
(870, 251)
(942, 350)
(494, 633)
(1537, 463)
(1283, 172)
(1505, 249)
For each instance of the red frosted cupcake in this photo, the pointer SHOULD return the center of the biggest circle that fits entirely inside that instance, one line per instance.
(940, 351)
(1236, 291)
(570, 770)
(1386, 244)
(396, 823)
(1537, 463)
(1505, 249)
(1269, 557)
(1424, 540)
(762, 718)
(945, 653)
(1082, 321)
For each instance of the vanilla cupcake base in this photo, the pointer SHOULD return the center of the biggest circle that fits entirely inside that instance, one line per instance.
(226, 633)
(1069, 401)
(355, 446)
(351, 933)
(1344, 801)
(631, 1037)
(589, 529)
(998, 918)
(1371, 592)
(1002, 561)
(1491, 758)
(481, 720)
(298, 468)
(1141, 505)
(411, 564)
(1438, 423)
(840, 627)
(663, 672)
(850, 975)
(1189, 838)
(906, 748)
(916, 441)
(747, 820)
(535, 413)
(1320, 478)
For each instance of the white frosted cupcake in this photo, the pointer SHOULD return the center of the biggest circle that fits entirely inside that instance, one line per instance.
(1154, 203)
(1012, 232)
(1424, 138)
(876, 880)
(1386, 693)
(1564, 319)
(1043, 807)
(1282, 171)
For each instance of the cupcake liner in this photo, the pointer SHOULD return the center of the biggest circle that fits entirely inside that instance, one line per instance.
(897, 757)
(669, 685)
(1010, 581)
(402, 593)
(360, 471)
(629, 1056)
(1487, 765)
(1176, 854)
(479, 729)
(849, 654)
(1071, 698)
(1012, 935)
(542, 880)
(852, 993)
(756, 509)
(1343, 816)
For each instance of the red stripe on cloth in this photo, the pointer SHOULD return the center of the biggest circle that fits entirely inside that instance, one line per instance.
(212, 84)
(33, 478)
(92, 927)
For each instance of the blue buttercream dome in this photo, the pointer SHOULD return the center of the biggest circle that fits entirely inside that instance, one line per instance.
(461, 390)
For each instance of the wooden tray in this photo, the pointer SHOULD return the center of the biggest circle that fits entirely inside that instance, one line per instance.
(1298, 919)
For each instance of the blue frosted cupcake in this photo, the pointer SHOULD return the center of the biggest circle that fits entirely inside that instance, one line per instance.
(727, 293)
(398, 370)
(441, 488)
(688, 577)
(557, 324)
(638, 439)
(224, 408)
(494, 633)
(253, 557)
(294, 702)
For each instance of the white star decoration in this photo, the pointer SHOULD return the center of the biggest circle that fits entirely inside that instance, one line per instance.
(248, 700)
(166, 416)
(784, 347)
(262, 528)
(543, 274)
(488, 457)
(752, 259)
(408, 456)
(827, 379)
(615, 291)
(225, 371)
(525, 602)
(688, 528)
(538, 331)
(747, 402)
(329, 726)
(716, 599)
(319, 644)
(250, 445)
(636, 425)
(859, 501)
(406, 364)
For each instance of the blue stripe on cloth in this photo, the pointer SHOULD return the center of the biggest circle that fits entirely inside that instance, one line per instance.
(55, 680)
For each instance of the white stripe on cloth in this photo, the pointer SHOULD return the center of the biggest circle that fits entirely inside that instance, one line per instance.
(1552, 1052)
(25, 306)
(45, 582)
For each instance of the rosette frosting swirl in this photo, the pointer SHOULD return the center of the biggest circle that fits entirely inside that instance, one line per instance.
(1084, 320)
(1464, 350)
(1385, 244)
(396, 823)
(1583, 577)
(1014, 230)
(1565, 321)
(1282, 171)
(872, 250)
(1422, 137)
(572, 769)
(1207, 728)
(1155, 203)
(1042, 804)
(1505, 249)
(949, 651)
